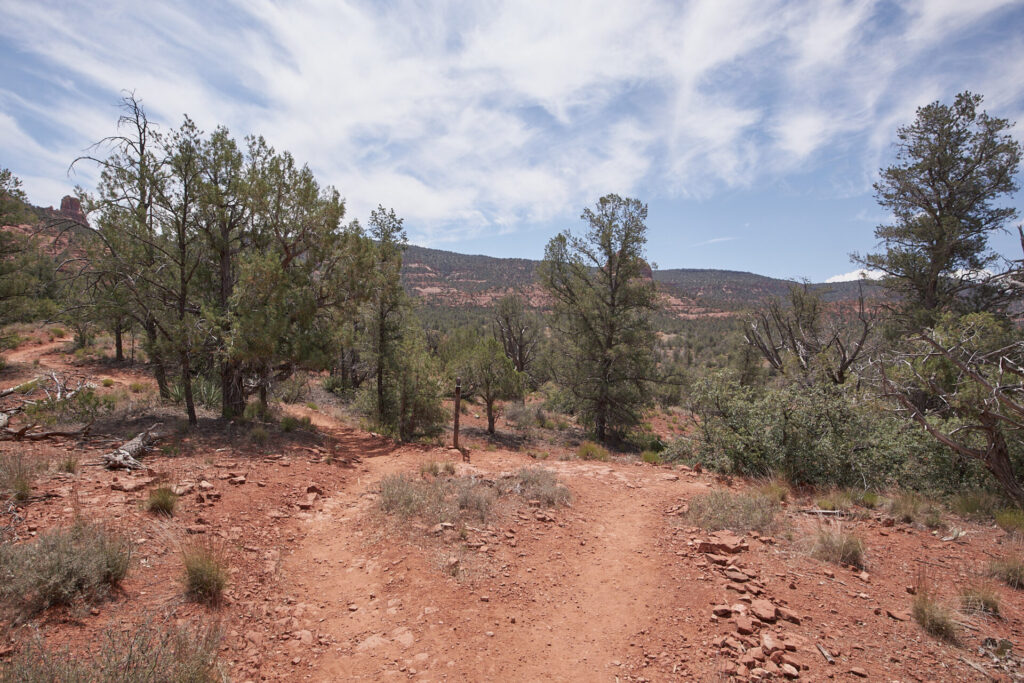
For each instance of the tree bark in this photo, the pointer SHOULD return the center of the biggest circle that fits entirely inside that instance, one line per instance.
(118, 343)
(490, 416)
(186, 386)
(156, 358)
(231, 390)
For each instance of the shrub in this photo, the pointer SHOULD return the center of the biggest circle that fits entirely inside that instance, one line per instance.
(337, 385)
(291, 390)
(589, 450)
(144, 653)
(162, 501)
(867, 499)
(1010, 570)
(1011, 520)
(911, 507)
(256, 411)
(538, 483)
(651, 457)
(206, 574)
(312, 406)
(85, 406)
(61, 566)
(290, 423)
(522, 415)
(401, 494)
(838, 546)
(977, 505)
(16, 476)
(205, 392)
(717, 510)
(136, 387)
(107, 382)
(980, 597)
(933, 617)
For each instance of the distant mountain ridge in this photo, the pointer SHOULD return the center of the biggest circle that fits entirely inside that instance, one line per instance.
(447, 278)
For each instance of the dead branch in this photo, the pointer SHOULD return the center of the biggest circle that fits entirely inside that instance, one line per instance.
(26, 433)
(126, 456)
(24, 386)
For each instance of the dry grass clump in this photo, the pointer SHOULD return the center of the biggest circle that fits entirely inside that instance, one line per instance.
(934, 617)
(473, 498)
(205, 572)
(538, 483)
(436, 469)
(436, 499)
(737, 511)
(1010, 569)
(775, 489)
(16, 475)
(145, 653)
(837, 499)
(61, 566)
(977, 505)
(162, 501)
(589, 450)
(68, 465)
(979, 597)
(838, 546)
(911, 507)
(1011, 520)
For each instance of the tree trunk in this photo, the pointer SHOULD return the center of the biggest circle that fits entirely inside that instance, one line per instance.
(156, 358)
(186, 385)
(118, 343)
(126, 456)
(232, 393)
(997, 461)
(490, 416)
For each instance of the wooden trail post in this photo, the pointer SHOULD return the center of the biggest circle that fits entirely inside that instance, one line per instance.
(458, 400)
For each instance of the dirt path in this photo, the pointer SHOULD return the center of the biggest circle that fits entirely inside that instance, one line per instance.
(569, 600)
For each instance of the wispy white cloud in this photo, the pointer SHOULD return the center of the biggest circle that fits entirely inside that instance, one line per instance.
(859, 274)
(713, 240)
(470, 117)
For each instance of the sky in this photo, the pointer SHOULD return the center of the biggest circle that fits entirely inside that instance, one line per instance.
(753, 130)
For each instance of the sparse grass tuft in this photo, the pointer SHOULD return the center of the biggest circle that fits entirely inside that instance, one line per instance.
(838, 546)
(16, 475)
(837, 499)
(474, 498)
(136, 387)
(1010, 570)
(68, 465)
(206, 572)
(436, 469)
(259, 435)
(935, 618)
(589, 450)
(538, 483)
(144, 653)
(911, 507)
(867, 499)
(61, 566)
(977, 505)
(775, 489)
(651, 457)
(107, 382)
(980, 597)
(736, 511)
(1011, 520)
(312, 406)
(162, 501)
(291, 424)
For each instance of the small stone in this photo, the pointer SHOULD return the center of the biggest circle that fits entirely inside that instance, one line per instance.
(744, 625)
(205, 486)
(721, 610)
(857, 671)
(788, 615)
(898, 616)
(789, 671)
(353, 607)
(763, 610)
(313, 488)
(769, 644)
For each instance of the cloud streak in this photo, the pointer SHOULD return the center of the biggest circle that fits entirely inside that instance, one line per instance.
(483, 117)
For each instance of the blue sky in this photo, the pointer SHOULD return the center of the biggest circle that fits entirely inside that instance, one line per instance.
(752, 129)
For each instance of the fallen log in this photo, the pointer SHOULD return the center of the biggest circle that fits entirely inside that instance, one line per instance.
(26, 433)
(126, 457)
(24, 387)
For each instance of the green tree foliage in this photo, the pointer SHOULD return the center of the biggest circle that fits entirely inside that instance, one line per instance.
(518, 331)
(26, 273)
(232, 258)
(488, 373)
(953, 164)
(603, 304)
(963, 382)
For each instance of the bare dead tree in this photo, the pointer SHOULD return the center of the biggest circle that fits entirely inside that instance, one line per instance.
(807, 331)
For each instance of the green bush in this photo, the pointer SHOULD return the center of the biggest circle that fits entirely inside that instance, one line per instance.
(651, 458)
(836, 500)
(162, 501)
(259, 435)
(142, 653)
(718, 510)
(588, 450)
(85, 406)
(107, 382)
(977, 505)
(205, 392)
(61, 566)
